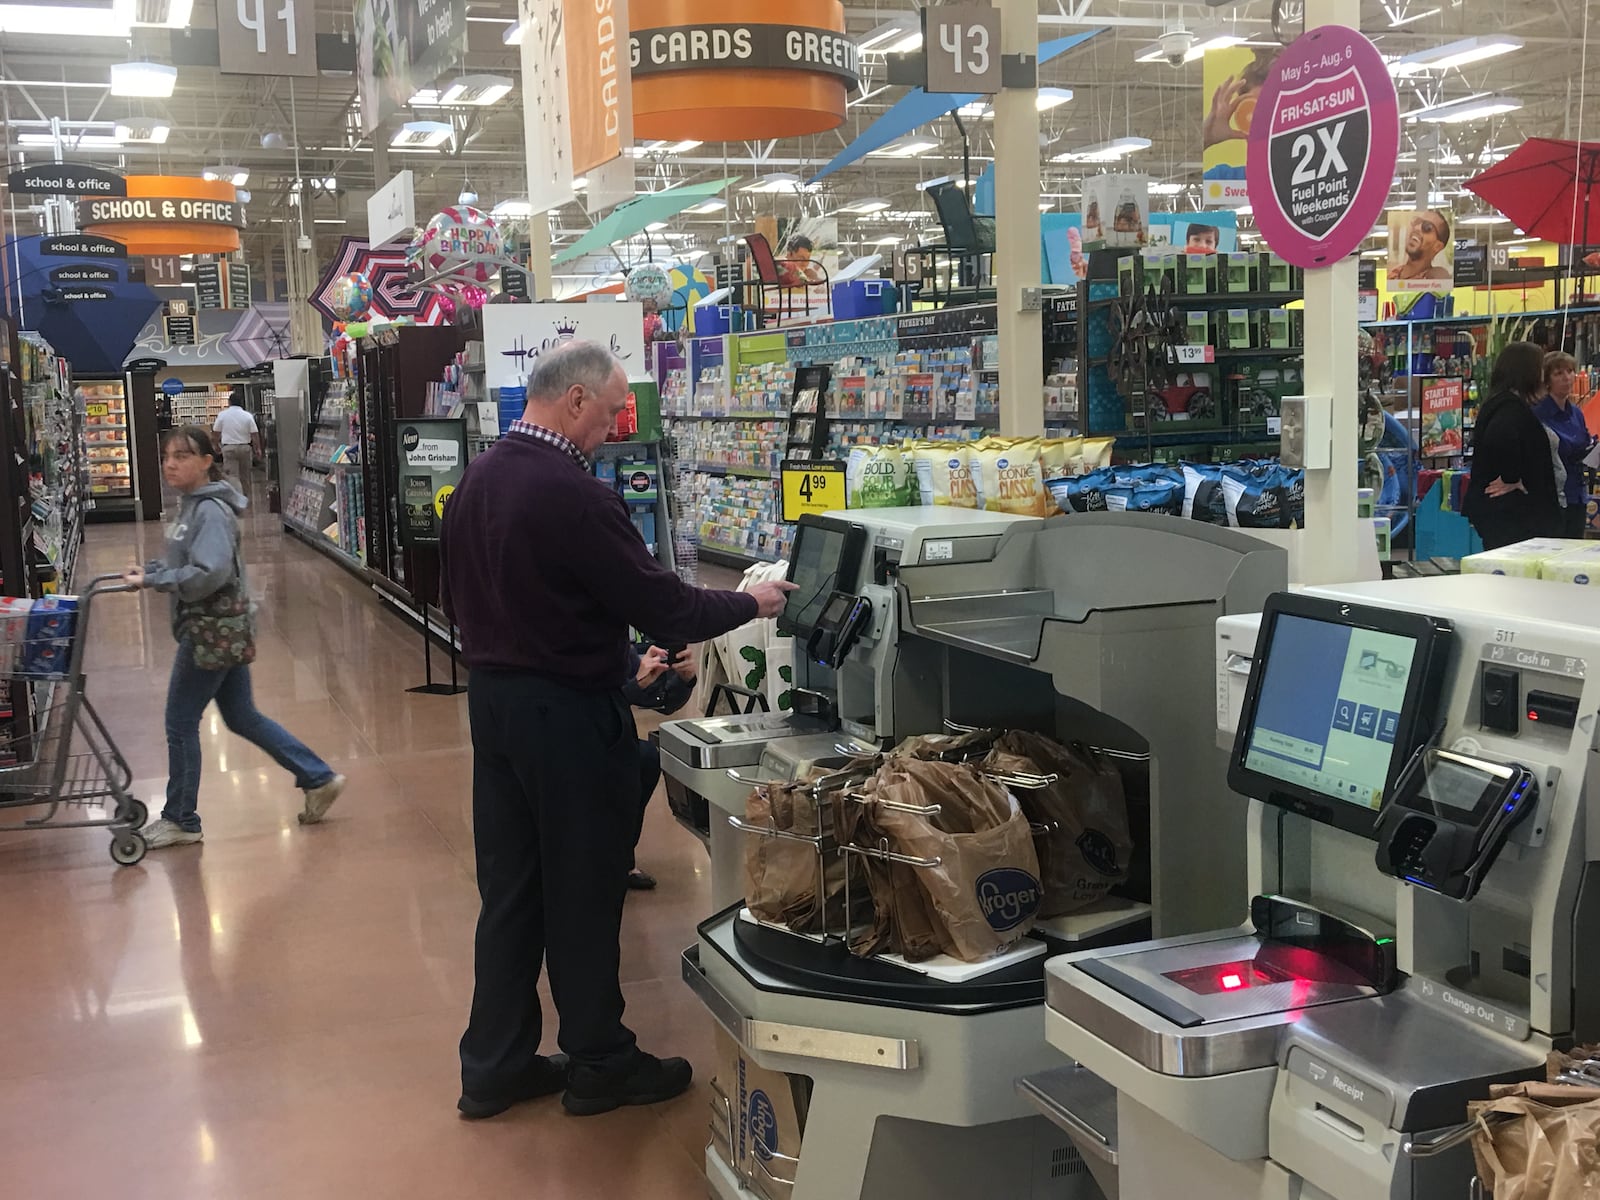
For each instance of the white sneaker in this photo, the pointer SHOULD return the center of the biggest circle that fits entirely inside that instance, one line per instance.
(162, 832)
(320, 799)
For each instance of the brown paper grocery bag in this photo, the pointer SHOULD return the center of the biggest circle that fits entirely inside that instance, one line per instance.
(1085, 844)
(985, 888)
(902, 921)
(1544, 1149)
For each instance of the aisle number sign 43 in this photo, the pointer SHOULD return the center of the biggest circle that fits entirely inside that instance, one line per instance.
(962, 47)
(811, 487)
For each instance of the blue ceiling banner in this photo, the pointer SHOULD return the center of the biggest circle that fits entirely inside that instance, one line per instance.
(918, 107)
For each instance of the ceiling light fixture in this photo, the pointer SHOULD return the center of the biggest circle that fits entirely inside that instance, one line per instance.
(75, 141)
(1166, 189)
(1397, 22)
(780, 182)
(421, 135)
(513, 209)
(137, 129)
(906, 147)
(158, 14)
(1472, 108)
(1052, 97)
(57, 20)
(715, 204)
(1454, 54)
(862, 207)
(144, 79)
(475, 91)
(237, 176)
(1105, 151)
(899, 36)
(1484, 219)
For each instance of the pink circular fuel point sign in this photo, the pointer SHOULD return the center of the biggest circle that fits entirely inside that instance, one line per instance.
(1323, 146)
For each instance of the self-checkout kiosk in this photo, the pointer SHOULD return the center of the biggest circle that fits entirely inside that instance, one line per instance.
(1095, 628)
(1418, 758)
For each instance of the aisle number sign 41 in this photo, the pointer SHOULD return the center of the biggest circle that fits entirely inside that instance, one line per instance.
(811, 487)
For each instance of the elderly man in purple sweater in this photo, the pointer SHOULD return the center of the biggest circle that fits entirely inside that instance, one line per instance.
(545, 574)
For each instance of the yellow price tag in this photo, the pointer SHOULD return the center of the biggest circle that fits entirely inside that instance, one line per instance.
(96, 410)
(811, 487)
(439, 498)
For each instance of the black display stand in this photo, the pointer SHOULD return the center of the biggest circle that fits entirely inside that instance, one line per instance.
(430, 688)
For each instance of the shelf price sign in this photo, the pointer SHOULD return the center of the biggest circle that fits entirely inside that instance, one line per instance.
(811, 487)
(1321, 163)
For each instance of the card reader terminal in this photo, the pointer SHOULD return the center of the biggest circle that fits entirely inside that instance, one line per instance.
(1448, 818)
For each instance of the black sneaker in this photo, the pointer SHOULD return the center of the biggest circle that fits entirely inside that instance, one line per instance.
(547, 1081)
(649, 1080)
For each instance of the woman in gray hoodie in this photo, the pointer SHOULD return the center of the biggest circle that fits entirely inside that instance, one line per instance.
(202, 558)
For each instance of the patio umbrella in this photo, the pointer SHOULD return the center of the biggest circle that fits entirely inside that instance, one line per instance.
(262, 334)
(625, 220)
(393, 293)
(1546, 186)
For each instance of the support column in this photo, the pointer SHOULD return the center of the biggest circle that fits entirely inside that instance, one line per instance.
(1328, 553)
(539, 256)
(1016, 210)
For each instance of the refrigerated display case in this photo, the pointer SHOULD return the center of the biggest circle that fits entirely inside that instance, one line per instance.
(121, 442)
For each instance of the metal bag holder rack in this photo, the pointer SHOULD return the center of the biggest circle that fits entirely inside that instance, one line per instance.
(760, 1180)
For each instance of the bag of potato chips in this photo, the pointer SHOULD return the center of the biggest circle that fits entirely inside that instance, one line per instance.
(1013, 480)
(886, 480)
(1096, 454)
(952, 480)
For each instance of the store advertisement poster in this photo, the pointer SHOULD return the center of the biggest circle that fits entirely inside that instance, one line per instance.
(402, 46)
(1116, 211)
(546, 129)
(1231, 82)
(514, 335)
(1422, 254)
(1441, 418)
(1061, 239)
(1324, 139)
(599, 81)
(431, 454)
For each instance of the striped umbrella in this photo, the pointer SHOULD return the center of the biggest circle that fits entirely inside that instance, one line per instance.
(394, 293)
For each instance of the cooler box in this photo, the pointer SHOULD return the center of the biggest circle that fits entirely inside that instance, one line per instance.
(861, 298)
(714, 320)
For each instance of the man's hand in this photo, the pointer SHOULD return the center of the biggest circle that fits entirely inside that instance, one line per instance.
(652, 666)
(770, 596)
(134, 576)
(684, 665)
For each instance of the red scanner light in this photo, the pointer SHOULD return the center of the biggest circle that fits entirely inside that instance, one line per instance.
(1231, 983)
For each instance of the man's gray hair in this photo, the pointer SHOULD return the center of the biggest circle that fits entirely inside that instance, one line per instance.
(558, 370)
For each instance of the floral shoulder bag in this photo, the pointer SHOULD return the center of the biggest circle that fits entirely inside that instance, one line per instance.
(221, 627)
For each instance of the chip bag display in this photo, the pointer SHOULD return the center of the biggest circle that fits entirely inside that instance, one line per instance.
(952, 478)
(1097, 453)
(1013, 478)
(886, 480)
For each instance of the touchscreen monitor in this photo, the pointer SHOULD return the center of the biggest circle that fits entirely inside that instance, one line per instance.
(825, 558)
(1340, 697)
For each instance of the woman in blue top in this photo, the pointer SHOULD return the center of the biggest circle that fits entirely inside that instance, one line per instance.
(1573, 440)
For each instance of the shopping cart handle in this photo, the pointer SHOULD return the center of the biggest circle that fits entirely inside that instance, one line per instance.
(102, 585)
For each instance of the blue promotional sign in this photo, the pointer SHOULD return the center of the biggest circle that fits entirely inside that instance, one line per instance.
(172, 387)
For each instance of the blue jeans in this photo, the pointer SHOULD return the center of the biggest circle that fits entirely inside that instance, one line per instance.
(189, 692)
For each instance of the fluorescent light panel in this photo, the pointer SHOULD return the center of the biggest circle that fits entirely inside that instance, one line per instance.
(475, 91)
(421, 135)
(1454, 54)
(1472, 108)
(1105, 151)
(136, 129)
(143, 79)
(1154, 53)
(862, 207)
(715, 204)
(237, 176)
(57, 20)
(1484, 219)
(906, 147)
(88, 141)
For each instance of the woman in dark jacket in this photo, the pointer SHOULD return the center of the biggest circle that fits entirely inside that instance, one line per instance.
(1512, 495)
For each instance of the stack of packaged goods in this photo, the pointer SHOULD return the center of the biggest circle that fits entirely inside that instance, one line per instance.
(1250, 494)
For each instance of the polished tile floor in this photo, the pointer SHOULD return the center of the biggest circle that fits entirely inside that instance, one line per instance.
(274, 1013)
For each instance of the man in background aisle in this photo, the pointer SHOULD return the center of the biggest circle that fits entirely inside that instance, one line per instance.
(238, 441)
(544, 573)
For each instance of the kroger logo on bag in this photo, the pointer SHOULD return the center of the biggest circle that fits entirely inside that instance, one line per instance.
(763, 1123)
(1008, 897)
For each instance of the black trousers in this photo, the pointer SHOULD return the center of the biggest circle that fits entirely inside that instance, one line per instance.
(555, 807)
(649, 776)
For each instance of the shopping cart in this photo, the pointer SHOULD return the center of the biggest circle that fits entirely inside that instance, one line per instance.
(66, 764)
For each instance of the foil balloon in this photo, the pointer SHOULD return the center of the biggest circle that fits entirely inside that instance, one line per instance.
(461, 244)
(351, 296)
(649, 282)
(474, 295)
